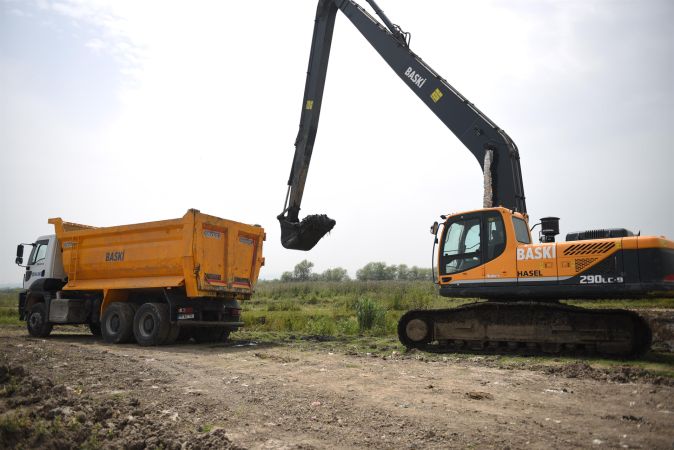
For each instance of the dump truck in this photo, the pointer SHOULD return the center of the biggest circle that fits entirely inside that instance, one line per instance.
(154, 282)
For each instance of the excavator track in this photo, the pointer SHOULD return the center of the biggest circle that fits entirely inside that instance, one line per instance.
(528, 327)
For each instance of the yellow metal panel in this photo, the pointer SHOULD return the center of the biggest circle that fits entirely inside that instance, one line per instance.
(163, 254)
(126, 283)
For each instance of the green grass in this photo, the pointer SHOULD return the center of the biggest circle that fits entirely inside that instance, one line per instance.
(332, 308)
(291, 312)
(9, 306)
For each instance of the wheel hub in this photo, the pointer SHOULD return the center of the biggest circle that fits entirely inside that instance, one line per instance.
(34, 320)
(148, 325)
(416, 330)
(114, 324)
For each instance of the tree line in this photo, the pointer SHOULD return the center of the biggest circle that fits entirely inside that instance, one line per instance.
(373, 271)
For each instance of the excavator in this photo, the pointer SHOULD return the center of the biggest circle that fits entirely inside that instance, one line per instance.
(488, 254)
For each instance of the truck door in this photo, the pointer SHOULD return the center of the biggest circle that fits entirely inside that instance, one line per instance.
(37, 263)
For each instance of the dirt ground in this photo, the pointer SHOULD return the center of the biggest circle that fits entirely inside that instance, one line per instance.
(73, 390)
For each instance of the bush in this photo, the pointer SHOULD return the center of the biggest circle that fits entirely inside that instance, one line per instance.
(347, 326)
(369, 314)
(323, 326)
(283, 306)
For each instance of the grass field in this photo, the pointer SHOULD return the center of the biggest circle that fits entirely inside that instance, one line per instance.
(9, 306)
(333, 309)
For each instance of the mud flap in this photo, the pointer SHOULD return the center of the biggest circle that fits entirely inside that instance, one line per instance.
(304, 235)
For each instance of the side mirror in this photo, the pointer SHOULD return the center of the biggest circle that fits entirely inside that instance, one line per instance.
(19, 254)
(434, 228)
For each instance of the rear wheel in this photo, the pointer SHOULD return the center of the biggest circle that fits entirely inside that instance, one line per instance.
(37, 321)
(151, 324)
(117, 323)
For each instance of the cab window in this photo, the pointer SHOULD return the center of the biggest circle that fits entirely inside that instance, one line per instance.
(39, 253)
(496, 237)
(461, 248)
(521, 231)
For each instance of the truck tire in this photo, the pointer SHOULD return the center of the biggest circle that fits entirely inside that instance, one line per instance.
(117, 323)
(37, 321)
(151, 324)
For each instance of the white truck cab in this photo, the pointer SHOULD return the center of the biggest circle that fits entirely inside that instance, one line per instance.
(39, 301)
(44, 261)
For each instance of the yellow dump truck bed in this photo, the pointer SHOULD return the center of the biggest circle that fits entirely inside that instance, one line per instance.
(206, 255)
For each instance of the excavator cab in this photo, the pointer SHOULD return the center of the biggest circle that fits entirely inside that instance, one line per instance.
(469, 241)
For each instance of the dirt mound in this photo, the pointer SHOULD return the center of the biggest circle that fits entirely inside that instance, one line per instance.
(37, 413)
(615, 375)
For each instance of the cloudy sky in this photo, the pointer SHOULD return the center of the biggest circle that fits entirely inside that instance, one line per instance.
(115, 112)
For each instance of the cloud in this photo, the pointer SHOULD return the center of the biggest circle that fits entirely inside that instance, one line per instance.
(112, 27)
(96, 45)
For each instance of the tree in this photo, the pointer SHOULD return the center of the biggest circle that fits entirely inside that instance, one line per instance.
(419, 273)
(376, 271)
(336, 274)
(302, 271)
(380, 271)
(403, 272)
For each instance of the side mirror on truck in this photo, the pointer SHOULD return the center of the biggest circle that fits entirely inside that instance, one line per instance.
(19, 254)
(434, 228)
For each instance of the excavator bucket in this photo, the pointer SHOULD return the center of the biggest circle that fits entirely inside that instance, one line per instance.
(304, 235)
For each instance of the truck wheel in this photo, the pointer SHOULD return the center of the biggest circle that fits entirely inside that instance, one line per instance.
(37, 321)
(151, 325)
(117, 323)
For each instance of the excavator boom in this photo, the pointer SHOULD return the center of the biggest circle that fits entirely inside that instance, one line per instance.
(496, 153)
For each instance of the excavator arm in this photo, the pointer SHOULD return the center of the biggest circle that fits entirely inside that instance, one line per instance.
(496, 153)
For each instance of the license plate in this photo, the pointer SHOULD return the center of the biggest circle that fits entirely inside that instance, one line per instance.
(185, 316)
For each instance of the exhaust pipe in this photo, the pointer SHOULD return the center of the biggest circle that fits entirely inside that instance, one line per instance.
(305, 234)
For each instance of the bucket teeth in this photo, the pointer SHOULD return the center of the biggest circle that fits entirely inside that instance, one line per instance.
(304, 235)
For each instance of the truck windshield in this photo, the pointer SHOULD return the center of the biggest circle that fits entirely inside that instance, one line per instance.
(39, 253)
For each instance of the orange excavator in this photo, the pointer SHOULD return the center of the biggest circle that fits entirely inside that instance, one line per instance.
(489, 254)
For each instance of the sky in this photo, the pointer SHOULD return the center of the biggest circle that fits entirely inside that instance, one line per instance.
(116, 112)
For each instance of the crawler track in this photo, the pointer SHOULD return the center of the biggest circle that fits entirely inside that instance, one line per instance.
(530, 327)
